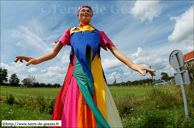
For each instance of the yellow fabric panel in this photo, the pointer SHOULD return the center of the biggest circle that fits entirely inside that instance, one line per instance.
(82, 29)
(113, 117)
(99, 84)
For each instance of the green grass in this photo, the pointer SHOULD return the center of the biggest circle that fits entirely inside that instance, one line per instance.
(52, 92)
(154, 118)
(137, 91)
(137, 110)
(10, 112)
(46, 92)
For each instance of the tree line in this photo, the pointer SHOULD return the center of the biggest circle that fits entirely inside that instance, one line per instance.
(142, 82)
(30, 81)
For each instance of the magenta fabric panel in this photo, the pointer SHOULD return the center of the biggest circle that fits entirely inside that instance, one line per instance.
(104, 40)
(65, 38)
(70, 110)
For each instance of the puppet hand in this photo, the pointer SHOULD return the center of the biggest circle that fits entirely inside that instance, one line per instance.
(140, 69)
(30, 60)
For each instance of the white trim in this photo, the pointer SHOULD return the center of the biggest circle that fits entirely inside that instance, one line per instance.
(189, 60)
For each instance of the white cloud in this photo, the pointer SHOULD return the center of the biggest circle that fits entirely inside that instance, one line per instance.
(112, 76)
(54, 74)
(55, 69)
(50, 78)
(137, 53)
(30, 38)
(65, 57)
(44, 70)
(18, 43)
(111, 64)
(183, 30)
(146, 10)
(15, 68)
(127, 71)
(31, 70)
(145, 57)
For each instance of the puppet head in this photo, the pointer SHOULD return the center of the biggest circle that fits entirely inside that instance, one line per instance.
(84, 14)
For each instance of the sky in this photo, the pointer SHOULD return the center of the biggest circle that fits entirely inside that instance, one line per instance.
(145, 31)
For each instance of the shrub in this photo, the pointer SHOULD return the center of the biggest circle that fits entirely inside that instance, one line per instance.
(10, 99)
(163, 100)
(154, 119)
(21, 102)
(125, 105)
(50, 106)
(41, 103)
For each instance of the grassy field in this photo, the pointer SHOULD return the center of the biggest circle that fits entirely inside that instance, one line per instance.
(9, 112)
(52, 92)
(18, 91)
(143, 107)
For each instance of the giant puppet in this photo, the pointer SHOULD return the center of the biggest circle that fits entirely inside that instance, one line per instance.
(84, 99)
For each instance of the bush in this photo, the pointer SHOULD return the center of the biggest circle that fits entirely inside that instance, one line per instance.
(155, 119)
(190, 95)
(10, 99)
(163, 100)
(50, 106)
(125, 105)
(21, 102)
(41, 103)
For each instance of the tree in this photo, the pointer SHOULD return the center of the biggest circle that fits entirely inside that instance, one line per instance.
(165, 76)
(14, 81)
(56, 85)
(26, 81)
(190, 68)
(42, 84)
(48, 85)
(29, 81)
(115, 81)
(36, 84)
(3, 76)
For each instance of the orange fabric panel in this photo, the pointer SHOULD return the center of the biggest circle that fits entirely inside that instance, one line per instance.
(86, 118)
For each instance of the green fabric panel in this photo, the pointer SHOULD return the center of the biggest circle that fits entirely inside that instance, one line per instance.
(84, 82)
(98, 124)
(88, 59)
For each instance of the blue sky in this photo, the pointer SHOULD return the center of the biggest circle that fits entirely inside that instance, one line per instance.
(145, 31)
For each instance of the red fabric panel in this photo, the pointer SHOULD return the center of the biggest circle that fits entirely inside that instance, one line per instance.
(62, 93)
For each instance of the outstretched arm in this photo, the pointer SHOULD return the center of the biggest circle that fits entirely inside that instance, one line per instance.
(41, 59)
(128, 62)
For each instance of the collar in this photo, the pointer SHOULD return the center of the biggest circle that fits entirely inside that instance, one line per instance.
(82, 28)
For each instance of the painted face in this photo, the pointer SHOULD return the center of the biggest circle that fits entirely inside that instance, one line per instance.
(85, 16)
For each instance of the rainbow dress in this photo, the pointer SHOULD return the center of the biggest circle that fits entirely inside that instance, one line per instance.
(84, 101)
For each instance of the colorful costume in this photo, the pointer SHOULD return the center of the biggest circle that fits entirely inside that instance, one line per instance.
(84, 99)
